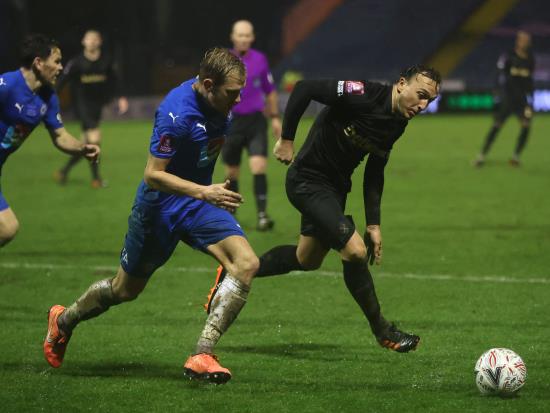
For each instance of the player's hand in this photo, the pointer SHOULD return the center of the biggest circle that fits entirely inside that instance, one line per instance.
(122, 105)
(284, 150)
(220, 196)
(91, 152)
(528, 112)
(373, 239)
(276, 126)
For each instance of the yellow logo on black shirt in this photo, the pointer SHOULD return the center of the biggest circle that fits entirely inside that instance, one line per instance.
(520, 71)
(93, 78)
(362, 142)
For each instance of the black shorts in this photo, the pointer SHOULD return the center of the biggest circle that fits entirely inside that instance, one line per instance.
(322, 206)
(512, 106)
(88, 113)
(246, 131)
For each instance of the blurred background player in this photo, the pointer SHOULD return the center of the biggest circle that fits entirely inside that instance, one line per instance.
(94, 81)
(176, 201)
(360, 118)
(249, 127)
(27, 97)
(514, 95)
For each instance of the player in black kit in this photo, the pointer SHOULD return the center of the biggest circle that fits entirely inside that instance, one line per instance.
(93, 80)
(514, 95)
(361, 118)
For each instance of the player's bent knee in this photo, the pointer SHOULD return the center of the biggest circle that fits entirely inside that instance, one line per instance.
(232, 172)
(310, 253)
(258, 166)
(8, 233)
(5, 240)
(246, 267)
(355, 252)
(250, 265)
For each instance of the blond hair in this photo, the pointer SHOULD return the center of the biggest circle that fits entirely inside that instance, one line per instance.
(218, 64)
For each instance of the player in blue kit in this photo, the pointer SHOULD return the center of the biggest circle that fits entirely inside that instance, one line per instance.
(176, 201)
(27, 98)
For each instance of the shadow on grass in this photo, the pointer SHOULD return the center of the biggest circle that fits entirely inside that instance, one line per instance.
(112, 369)
(305, 351)
(54, 254)
(109, 369)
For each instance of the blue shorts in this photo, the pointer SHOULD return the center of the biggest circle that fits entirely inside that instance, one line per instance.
(152, 236)
(3, 203)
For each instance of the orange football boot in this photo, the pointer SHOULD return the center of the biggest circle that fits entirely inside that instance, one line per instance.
(55, 342)
(204, 366)
(220, 275)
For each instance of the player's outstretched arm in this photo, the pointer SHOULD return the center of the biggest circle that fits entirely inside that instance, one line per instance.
(157, 178)
(67, 143)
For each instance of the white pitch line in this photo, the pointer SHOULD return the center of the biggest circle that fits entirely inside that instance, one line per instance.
(428, 277)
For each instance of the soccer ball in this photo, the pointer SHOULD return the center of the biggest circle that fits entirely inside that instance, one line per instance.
(500, 371)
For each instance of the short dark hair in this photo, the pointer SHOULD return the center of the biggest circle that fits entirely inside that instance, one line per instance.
(36, 45)
(218, 63)
(427, 71)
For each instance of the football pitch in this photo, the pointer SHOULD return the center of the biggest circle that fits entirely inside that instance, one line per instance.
(466, 266)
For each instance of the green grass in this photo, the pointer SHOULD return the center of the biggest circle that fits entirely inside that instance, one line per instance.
(300, 344)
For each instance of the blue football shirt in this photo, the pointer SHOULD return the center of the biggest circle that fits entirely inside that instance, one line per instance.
(191, 133)
(21, 110)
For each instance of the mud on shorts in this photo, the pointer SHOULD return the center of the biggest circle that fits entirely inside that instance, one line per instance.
(152, 236)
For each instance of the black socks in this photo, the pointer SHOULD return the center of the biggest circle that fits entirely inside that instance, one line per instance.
(279, 260)
(233, 185)
(361, 286)
(260, 192)
(490, 139)
(522, 140)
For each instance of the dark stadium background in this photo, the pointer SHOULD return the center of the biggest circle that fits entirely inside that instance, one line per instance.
(159, 43)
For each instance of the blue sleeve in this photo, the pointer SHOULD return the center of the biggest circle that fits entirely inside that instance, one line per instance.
(168, 133)
(228, 122)
(3, 91)
(52, 117)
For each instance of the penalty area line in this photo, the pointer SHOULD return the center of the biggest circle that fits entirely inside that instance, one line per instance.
(212, 270)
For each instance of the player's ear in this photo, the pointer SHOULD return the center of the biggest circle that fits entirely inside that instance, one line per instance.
(401, 84)
(208, 84)
(37, 63)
